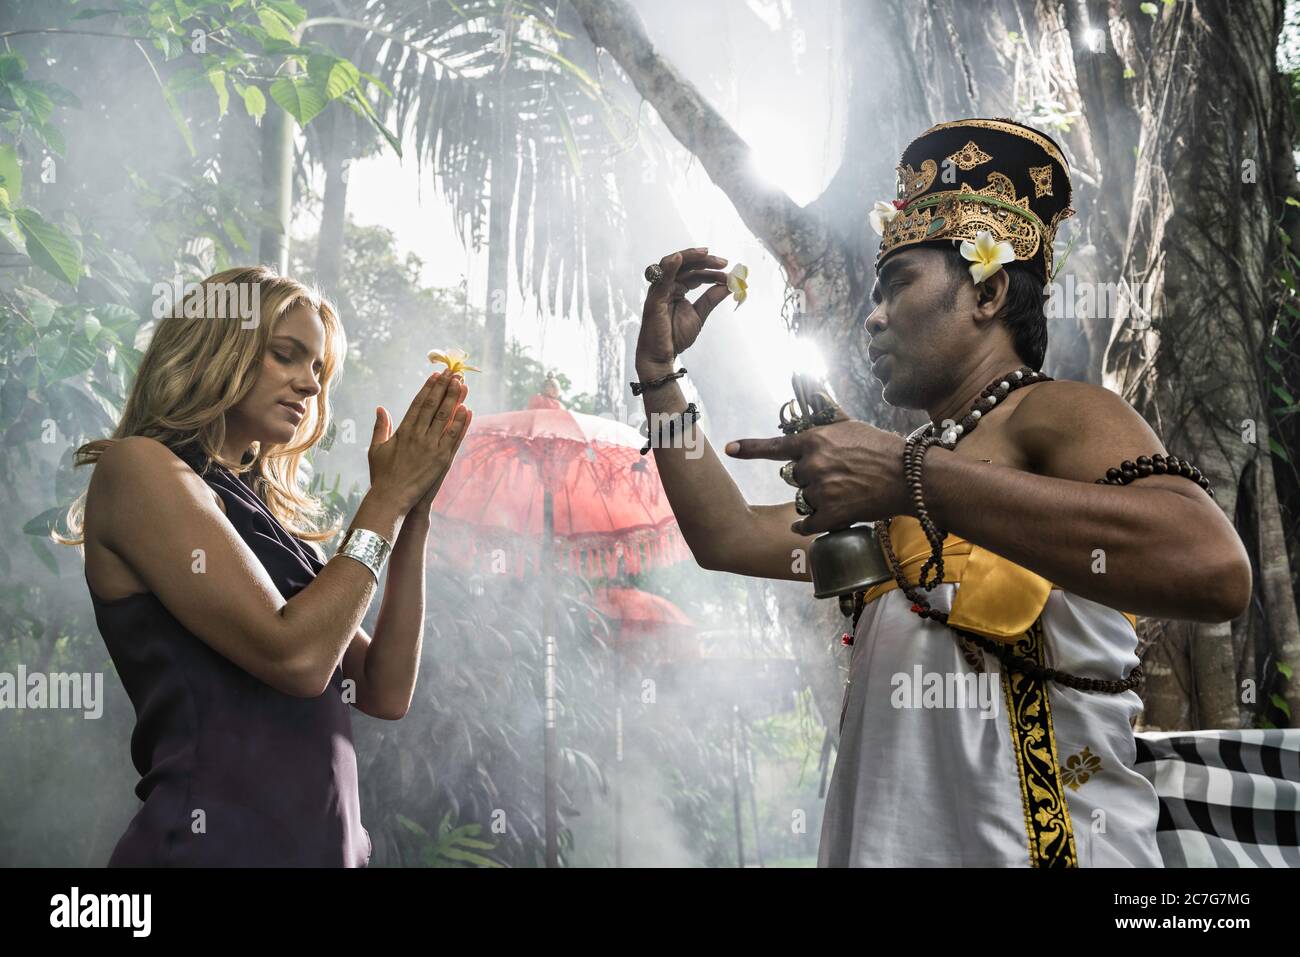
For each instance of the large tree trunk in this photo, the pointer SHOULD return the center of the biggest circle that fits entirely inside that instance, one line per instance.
(1175, 86)
(277, 188)
(1201, 237)
(338, 145)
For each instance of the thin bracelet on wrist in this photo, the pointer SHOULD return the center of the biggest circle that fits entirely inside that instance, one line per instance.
(640, 387)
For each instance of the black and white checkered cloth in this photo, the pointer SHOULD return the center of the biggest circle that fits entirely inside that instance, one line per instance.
(1227, 798)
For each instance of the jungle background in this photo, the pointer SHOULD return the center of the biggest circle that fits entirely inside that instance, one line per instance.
(496, 174)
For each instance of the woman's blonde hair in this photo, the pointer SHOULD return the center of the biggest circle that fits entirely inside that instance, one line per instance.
(201, 361)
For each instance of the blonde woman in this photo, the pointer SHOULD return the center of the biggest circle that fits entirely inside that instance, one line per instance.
(241, 650)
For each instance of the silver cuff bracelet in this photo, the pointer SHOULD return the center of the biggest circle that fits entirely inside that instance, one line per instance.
(369, 548)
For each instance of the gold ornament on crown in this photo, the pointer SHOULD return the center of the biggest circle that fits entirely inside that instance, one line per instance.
(911, 183)
(969, 156)
(963, 213)
(1042, 177)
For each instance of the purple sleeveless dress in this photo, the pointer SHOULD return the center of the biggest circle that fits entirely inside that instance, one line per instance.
(274, 776)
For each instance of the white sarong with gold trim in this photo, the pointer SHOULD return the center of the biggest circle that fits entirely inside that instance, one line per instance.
(944, 760)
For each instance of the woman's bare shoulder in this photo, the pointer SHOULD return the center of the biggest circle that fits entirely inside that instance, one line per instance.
(139, 467)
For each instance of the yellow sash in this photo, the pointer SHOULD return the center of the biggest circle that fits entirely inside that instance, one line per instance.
(997, 598)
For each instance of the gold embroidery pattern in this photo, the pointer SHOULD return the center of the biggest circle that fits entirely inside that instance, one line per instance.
(1048, 252)
(1029, 713)
(970, 156)
(962, 213)
(1056, 220)
(1042, 177)
(1078, 768)
(912, 183)
(1004, 127)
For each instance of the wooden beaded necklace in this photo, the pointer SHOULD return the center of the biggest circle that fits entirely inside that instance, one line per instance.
(917, 444)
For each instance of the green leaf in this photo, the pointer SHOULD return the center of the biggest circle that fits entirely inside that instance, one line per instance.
(570, 141)
(235, 233)
(1276, 448)
(11, 173)
(254, 102)
(1280, 703)
(361, 106)
(1284, 670)
(12, 67)
(299, 97)
(218, 80)
(40, 525)
(1292, 201)
(41, 311)
(332, 75)
(410, 825)
(293, 13)
(63, 358)
(1284, 395)
(50, 247)
(276, 24)
(1129, 73)
(1150, 9)
(120, 319)
(172, 106)
(478, 860)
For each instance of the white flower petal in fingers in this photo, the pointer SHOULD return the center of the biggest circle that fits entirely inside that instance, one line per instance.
(453, 359)
(738, 282)
(986, 255)
(883, 212)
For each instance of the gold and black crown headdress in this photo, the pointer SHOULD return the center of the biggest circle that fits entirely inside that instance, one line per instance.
(960, 178)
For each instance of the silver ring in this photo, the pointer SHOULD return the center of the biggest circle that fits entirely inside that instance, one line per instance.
(801, 504)
(654, 272)
(787, 473)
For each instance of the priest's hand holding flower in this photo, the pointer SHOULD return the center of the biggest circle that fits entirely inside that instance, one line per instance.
(670, 322)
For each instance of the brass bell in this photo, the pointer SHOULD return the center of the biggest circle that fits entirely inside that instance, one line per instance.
(849, 559)
(846, 561)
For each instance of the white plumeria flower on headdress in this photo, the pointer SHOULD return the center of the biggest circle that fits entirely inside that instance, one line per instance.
(883, 212)
(986, 255)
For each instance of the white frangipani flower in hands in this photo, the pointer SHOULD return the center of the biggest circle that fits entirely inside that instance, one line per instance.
(456, 360)
(986, 256)
(738, 282)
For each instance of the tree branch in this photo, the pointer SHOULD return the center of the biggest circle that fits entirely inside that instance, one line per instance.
(773, 217)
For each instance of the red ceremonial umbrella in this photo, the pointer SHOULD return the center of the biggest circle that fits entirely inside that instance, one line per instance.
(606, 497)
(641, 618)
(574, 488)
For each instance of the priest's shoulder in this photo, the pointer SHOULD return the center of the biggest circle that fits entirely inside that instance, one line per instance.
(1064, 426)
(1066, 404)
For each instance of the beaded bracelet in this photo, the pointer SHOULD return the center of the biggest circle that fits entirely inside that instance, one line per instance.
(677, 420)
(1157, 464)
(639, 387)
(913, 457)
